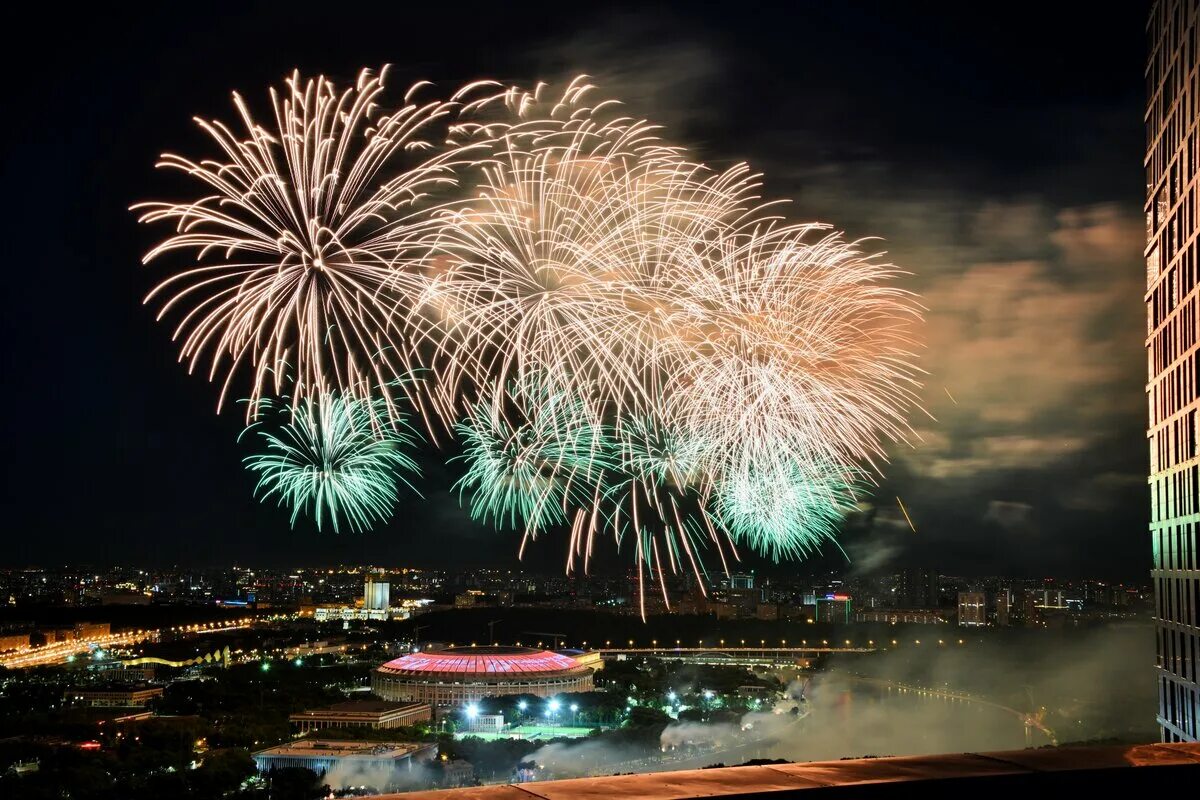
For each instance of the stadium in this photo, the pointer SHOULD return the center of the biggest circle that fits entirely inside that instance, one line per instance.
(453, 676)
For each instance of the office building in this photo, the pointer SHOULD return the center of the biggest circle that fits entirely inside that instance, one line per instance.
(378, 715)
(834, 608)
(112, 696)
(918, 588)
(345, 763)
(1004, 600)
(741, 580)
(905, 616)
(1173, 355)
(376, 593)
(972, 609)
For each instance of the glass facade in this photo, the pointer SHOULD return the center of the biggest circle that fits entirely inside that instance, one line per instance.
(1173, 357)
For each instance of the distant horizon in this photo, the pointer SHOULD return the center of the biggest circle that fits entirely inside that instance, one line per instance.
(349, 567)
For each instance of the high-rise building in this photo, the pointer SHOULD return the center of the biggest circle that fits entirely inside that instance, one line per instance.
(1004, 601)
(1173, 355)
(972, 609)
(834, 608)
(376, 593)
(741, 580)
(918, 588)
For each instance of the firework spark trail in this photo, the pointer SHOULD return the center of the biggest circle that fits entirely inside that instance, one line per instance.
(658, 494)
(303, 241)
(332, 460)
(904, 511)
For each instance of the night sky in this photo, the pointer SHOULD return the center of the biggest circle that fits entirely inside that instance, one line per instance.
(997, 155)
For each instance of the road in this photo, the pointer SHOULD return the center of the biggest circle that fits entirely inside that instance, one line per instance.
(734, 655)
(61, 652)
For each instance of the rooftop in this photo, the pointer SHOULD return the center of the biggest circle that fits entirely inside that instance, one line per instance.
(1115, 769)
(362, 707)
(315, 748)
(483, 661)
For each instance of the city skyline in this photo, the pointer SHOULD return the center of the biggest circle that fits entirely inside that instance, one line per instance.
(1016, 470)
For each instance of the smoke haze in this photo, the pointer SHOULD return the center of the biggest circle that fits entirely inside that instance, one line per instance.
(1070, 686)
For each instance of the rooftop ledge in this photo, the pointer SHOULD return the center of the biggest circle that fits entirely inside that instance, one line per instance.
(1111, 768)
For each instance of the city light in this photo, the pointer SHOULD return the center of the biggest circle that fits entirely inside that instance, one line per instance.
(472, 711)
(553, 706)
(522, 705)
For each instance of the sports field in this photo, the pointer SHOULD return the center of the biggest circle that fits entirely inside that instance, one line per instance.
(531, 732)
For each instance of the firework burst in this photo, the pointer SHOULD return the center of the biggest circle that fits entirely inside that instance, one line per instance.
(627, 343)
(302, 238)
(782, 508)
(531, 455)
(549, 270)
(331, 460)
(788, 340)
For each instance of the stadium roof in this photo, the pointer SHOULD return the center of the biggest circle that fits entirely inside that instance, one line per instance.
(483, 661)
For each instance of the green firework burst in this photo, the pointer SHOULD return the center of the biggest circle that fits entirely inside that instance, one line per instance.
(782, 508)
(336, 459)
(530, 456)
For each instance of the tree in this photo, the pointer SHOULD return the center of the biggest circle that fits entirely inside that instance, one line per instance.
(294, 783)
(223, 771)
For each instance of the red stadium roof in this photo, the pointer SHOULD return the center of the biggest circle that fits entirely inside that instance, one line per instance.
(483, 661)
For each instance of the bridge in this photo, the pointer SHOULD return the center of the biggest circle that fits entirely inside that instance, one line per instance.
(771, 656)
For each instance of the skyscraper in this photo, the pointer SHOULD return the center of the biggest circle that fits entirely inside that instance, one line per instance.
(1173, 357)
(376, 591)
(918, 588)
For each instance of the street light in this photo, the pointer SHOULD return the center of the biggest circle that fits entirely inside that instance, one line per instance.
(671, 695)
(472, 710)
(521, 706)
